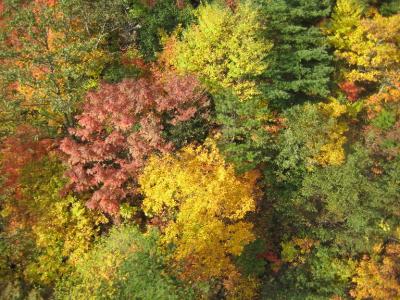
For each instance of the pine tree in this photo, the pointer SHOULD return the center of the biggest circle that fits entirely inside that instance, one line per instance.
(299, 62)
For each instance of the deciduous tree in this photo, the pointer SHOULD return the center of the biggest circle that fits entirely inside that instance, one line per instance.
(224, 48)
(121, 125)
(377, 277)
(203, 205)
(124, 264)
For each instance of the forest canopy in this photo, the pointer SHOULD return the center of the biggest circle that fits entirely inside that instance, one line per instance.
(215, 149)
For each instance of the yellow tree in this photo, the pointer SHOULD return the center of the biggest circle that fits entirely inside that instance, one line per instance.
(224, 48)
(369, 45)
(203, 205)
(345, 19)
(378, 279)
(56, 229)
(332, 152)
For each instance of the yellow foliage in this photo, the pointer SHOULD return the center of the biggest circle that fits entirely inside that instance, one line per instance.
(345, 19)
(204, 203)
(379, 279)
(65, 231)
(53, 39)
(242, 288)
(332, 153)
(225, 48)
(369, 45)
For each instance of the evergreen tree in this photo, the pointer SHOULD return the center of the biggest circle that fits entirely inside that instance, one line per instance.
(299, 63)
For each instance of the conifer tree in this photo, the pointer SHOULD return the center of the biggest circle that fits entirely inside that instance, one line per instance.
(299, 64)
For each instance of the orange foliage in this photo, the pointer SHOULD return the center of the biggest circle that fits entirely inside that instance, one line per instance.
(351, 90)
(389, 93)
(19, 150)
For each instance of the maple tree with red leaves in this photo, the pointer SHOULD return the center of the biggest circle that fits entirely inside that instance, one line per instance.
(121, 125)
(351, 90)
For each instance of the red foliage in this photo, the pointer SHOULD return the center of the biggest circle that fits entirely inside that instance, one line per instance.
(273, 259)
(19, 150)
(231, 4)
(351, 90)
(137, 62)
(121, 125)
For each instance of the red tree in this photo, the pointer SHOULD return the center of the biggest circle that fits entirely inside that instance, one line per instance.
(120, 126)
(351, 90)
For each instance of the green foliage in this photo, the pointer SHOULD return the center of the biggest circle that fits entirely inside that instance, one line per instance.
(194, 130)
(11, 116)
(154, 21)
(117, 71)
(244, 138)
(250, 262)
(299, 62)
(343, 211)
(313, 137)
(343, 205)
(320, 277)
(390, 7)
(125, 264)
(384, 120)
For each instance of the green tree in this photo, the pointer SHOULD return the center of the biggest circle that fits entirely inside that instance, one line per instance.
(314, 136)
(245, 139)
(344, 211)
(53, 52)
(152, 21)
(299, 62)
(124, 264)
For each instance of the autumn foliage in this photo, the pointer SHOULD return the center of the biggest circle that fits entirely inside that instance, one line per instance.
(204, 206)
(121, 125)
(20, 149)
(200, 149)
(351, 90)
(378, 278)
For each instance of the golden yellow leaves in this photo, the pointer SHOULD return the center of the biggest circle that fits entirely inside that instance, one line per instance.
(378, 279)
(369, 45)
(204, 204)
(332, 153)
